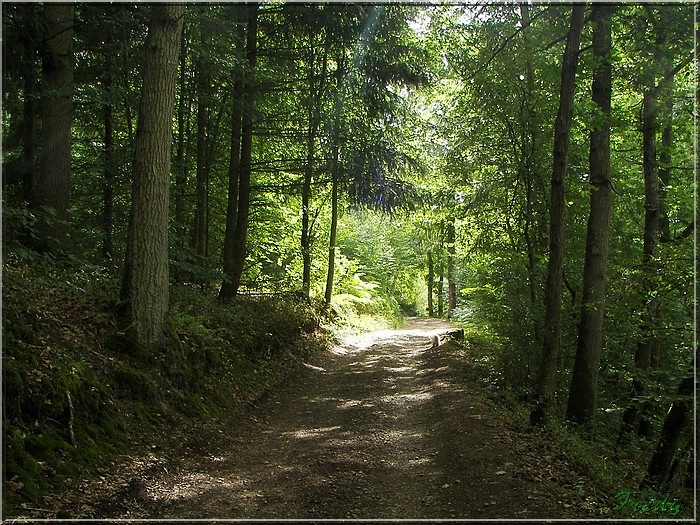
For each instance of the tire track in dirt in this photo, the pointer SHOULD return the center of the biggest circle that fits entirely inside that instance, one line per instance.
(383, 427)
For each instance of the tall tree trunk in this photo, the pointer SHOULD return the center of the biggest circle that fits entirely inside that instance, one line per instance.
(547, 375)
(241, 230)
(29, 169)
(441, 290)
(126, 82)
(584, 382)
(109, 166)
(335, 176)
(635, 419)
(308, 176)
(665, 163)
(527, 153)
(145, 284)
(53, 185)
(180, 162)
(632, 418)
(451, 283)
(677, 418)
(333, 236)
(316, 89)
(227, 290)
(431, 283)
(203, 124)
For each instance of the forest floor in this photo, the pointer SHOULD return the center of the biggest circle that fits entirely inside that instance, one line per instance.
(381, 427)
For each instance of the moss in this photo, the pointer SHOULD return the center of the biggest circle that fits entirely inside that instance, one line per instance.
(13, 390)
(198, 407)
(134, 384)
(23, 470)
(212, 355)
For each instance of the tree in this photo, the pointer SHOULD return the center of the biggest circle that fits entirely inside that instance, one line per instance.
(335, 177)
(230, 289)
(316, 86)
(52, 189)
(677, 418)
(146, 277)
(656, 227)
(584, 383)
(546, 379)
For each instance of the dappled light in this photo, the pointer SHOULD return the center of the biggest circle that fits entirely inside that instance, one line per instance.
(396, 437)
(341, 260)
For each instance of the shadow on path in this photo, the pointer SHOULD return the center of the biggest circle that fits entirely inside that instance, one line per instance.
(384, 426)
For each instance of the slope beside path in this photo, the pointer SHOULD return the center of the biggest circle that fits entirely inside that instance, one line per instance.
(384, 426)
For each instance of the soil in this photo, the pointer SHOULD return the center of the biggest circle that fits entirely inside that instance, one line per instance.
(384, 426)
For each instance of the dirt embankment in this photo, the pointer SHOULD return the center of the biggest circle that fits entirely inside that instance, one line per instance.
(384, 426)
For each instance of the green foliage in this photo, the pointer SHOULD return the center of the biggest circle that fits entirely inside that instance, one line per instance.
(438, 114)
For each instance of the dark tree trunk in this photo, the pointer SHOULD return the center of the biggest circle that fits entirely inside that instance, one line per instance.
(665, 163)
(636, 419)
(305, 240)
(677, 418)
(145, 285)
(335, 176)
(430, 283)
(332, 241)
(547, 375)
(316, 89)
(451, 282)
(441, 289)
(181, 165)
(227, 290)
(241, 230)
(28, 171)
(584, 383)
(109, 167)
(52, 190)
(203, 124)
(528, 143)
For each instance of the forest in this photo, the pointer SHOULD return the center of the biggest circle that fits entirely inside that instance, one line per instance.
(196, 197)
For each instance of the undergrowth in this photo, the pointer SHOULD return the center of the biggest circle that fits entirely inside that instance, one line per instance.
(615, 468)
(77, 390)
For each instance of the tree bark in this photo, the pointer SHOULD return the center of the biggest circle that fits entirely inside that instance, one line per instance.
(227, 290)
(145, 285)
(441, 289)
(241, 230)
(203, 84)
(584, 383)
(335, 176)
(52, 190)
(635, 419)
(677, 418)
(109, 166)
(665, 163)
(305, 240)
(546, 379)
(28, 172)
(430, 283)
(180, 162)
(528, 141)
(451, 284)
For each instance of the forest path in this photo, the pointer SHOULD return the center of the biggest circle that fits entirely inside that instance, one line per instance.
(381, 427)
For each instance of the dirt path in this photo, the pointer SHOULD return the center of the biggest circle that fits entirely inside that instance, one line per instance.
(382, 427)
